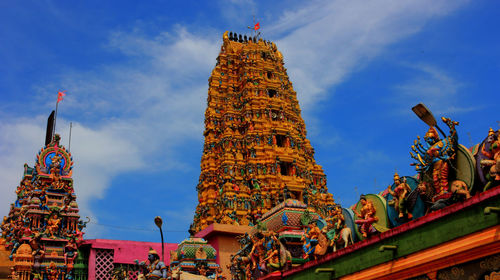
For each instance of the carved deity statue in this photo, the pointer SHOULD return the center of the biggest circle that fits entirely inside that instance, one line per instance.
(492, 154)
(434, 155)
(310, 239)
(53, 225)
(335, 223)
(52, 272)
(155, 269)
(400, 194)
(367, 217)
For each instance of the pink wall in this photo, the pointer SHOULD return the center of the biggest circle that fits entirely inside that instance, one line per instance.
(127, 251)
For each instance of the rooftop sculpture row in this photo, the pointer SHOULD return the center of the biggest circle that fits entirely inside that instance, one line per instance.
(447, 173)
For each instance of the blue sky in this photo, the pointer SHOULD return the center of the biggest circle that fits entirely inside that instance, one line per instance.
(136, 79)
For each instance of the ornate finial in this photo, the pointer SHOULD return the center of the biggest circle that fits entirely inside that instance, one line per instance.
(396, 176)
(491, 132)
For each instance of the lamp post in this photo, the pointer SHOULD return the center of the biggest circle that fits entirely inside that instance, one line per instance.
(159, 222)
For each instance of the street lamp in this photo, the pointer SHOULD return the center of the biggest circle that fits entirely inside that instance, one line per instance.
(159, 222)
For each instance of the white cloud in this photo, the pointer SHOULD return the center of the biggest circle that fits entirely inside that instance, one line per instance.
(433, 87)
(20, 141)
(326, 41)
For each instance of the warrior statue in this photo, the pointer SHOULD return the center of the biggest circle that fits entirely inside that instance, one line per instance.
(400, 195)
(434, 157)
(367, 217)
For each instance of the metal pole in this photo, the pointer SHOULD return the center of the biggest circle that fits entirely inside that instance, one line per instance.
(159, 222)
(69, 144)
(55, 119)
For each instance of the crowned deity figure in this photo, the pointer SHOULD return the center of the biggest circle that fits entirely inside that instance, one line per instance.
(400, 194)
(434, 156)
(335, 223)
(367, 217)
(53, 225)
(492, 154)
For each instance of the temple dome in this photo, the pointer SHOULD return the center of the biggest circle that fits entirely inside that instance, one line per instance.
(35, 201)
(24, 250)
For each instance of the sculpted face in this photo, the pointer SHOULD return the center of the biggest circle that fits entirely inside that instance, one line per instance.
(431, 140)
(491, 138)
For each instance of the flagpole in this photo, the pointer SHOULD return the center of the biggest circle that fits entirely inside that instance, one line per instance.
(254, 31)
(60, 95)
(69, 144)
(55, 117)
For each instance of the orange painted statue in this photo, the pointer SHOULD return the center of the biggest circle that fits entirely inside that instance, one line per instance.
(335, 224)
(400, 193)
(53, 225)
(258, 252)
(311, 238)
(52, 272)
(367, 217)
(492, 156)
(434, 155)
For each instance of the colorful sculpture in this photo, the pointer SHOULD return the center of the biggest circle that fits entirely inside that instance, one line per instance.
(412, 202)
(194, 258)
(433, 158)
(315, 242)
(400, 194)
(337, 231)
(489, 160)
(367, 217)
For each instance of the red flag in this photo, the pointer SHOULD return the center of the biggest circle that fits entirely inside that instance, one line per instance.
(257, 26)
(60, 95)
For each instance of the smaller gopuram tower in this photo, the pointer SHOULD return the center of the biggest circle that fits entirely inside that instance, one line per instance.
(43, 229)
(256, 154)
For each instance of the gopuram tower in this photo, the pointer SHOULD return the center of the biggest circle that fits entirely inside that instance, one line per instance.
(42, 231)
(256, 153)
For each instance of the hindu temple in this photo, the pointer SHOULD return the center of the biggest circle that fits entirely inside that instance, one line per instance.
(43, 229)
(264, 210)
(255, 154)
